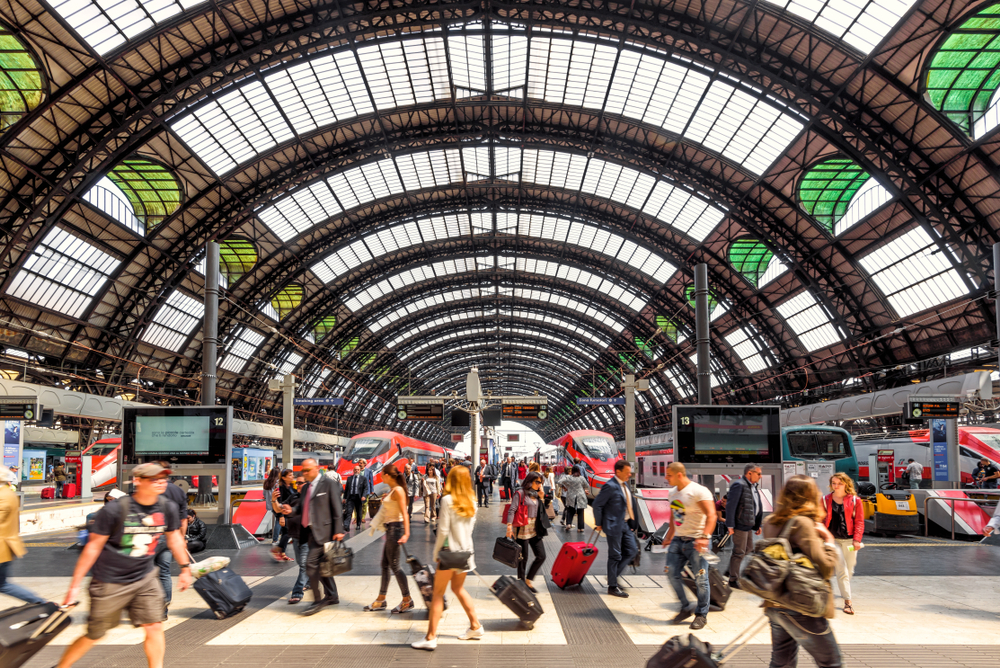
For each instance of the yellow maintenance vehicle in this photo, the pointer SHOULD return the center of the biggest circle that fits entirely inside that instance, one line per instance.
(889, 511)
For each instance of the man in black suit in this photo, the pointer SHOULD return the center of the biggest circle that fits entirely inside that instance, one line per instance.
(484, 478)
(320, 514)
(616, 510)
(356, 492)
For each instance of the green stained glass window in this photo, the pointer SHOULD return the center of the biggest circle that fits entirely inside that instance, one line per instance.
(20, 79)
(349, 347)
(964, 73)
(367, 360)
(324, 327)
(713, 301)
(151, 189)
(236, 258)
(627, 361)
(645, 348)
(668, 327)
(287, 299)
(827, 188)
(750, 257)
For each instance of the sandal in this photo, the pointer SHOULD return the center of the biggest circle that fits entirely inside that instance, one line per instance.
(295, 599)
(848, 609)
(375, 607)
(279, 555)
(405, 606)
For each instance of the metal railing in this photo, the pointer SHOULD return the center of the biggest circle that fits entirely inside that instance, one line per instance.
(953, 500)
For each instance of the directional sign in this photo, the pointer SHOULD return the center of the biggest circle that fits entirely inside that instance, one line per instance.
(924, 408)
(320, 401)
(18, 408)
(600, 401)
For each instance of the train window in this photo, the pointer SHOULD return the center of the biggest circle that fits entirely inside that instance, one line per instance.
(965, 452)
(818, 445)
(598, 447)
(365, 447)
(423, 459)
(663, 468)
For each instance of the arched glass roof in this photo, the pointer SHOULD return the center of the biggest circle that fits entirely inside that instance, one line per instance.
(581, 350)
(838, 193)
(861, 23)
(755, 261)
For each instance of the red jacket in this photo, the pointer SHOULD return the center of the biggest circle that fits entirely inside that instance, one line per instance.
(854, 514)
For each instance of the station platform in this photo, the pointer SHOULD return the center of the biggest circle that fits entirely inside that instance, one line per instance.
(920, 602)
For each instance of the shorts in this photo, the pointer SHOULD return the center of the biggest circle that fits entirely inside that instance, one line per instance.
(143, 599)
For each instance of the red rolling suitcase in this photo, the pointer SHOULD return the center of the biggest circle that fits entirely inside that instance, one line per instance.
(69, 490)
(48, 492)
(572, 563)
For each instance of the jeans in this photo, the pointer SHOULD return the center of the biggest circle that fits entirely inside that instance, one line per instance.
(301, 555)
(914, 483)
(789, 630)
(163, 560)
(680, 553)
(17, 591)
(390, 559)
(276, 533)
(742, 546)
(538, 548)
(621, 551)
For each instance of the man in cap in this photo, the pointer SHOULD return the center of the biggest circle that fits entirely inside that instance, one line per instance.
(122, 546)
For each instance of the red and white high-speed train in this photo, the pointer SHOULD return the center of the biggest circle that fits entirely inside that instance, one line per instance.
(596, 450)
(379, 448)
(104, 462)
(974, 443)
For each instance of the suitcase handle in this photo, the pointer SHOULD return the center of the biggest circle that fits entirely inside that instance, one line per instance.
(745, 636)
(52, 619)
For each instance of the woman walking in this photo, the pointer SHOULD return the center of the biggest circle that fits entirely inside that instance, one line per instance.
(458, 517)
(413, 486)
(549, 486)
(397, 532)
(574, 498)
(282, 490)
(269, 485)
(432, 489)
(286, 493)
(845, 518)
(525, 507)
(800, 509)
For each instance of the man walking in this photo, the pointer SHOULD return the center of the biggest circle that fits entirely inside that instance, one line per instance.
(320, 514)
(691, 511)
(122, 546)
(357, 491)
(915, 470)
(484, 478)
(509, 477)
(615, 510)
(986, 474)
(163, 556)
(744, 514)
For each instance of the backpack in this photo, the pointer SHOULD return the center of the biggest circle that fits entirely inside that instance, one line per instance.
(778, 574)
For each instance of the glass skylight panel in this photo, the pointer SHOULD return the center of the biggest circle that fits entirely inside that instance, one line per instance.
(871, 197)
(680, 209)
(110, 23)
(861, 23)
(717, 374)
(468, 64)
(63, 274)
(656, 389)
(233, 128)
(775, 268)
(914, 273)
(110, 199)
(240, 349)
(316, 380)
(321, 91)
(174, 322)
(743, 341)
(289, 365)
(809, 321)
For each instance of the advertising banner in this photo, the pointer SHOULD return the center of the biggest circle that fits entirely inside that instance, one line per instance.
(11, 443)
(939, 446)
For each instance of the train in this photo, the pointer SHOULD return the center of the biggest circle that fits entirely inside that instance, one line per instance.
(974, 443)
(595, 450)
(379, 448)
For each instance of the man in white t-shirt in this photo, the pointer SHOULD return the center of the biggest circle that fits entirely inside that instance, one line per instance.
(915, 470)
(692, 509)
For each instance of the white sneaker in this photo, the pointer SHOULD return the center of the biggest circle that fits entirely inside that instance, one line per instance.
(473, 634)
(429, 645)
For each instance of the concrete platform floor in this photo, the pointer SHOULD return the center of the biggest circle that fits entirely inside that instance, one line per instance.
(920, 603)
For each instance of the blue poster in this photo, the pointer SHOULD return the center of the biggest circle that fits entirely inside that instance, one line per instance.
(11, 443)
(939, 446)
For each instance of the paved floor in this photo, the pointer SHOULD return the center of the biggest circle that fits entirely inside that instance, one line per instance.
(906, 617)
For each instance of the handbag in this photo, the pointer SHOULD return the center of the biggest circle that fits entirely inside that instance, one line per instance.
(507, 551)
(337, 559)
(453, 560)
(542, 525)
(550, 512)
(787, 578)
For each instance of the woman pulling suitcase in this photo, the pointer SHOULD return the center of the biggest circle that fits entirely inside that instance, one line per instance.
(525, 507)
(455, 523)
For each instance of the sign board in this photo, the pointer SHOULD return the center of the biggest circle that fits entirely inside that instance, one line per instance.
(924, 408)
(523, 400)
(526, 411)
(18, 408)
(420, 408)
(600, 401)
(513, 437)
(320, 401)
(939, 448)
(456, 438)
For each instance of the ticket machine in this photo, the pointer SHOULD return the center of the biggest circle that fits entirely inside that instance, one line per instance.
(880, 468)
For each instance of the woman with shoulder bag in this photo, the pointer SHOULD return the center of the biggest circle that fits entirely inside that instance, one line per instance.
(397, 532)
(281, 485)
(845, 518)
(456, 521)
(574, 498)
(800, 510)
(432, 489)
(525, 508)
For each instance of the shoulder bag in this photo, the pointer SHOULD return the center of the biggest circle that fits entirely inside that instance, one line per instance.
(778, 574)
(453, 560)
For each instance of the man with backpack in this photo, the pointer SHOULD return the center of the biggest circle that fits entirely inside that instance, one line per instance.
(744, 514)
(121, 548)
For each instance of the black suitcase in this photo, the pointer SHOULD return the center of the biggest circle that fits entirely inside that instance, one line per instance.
(507, 551)
(719, 590)
(690, 652)
(224, 591)
(514, 594)
(424, 577)
(26, 629)
(657, 538)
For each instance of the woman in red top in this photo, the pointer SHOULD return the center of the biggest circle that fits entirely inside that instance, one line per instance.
(522, 471)
(845, 517)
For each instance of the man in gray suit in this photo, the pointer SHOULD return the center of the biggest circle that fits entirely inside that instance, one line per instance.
(320, 514)
(616, 510)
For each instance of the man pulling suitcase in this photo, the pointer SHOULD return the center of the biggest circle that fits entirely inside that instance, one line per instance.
(121, 548)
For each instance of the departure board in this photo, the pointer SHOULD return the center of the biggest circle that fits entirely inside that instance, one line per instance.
(932, 407)
(526, 411)
(420, 409)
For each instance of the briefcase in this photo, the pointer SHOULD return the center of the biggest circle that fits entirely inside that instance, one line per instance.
(507, 551)
(337, 559)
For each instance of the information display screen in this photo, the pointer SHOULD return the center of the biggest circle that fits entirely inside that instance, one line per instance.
(727, 434)
(194, 435)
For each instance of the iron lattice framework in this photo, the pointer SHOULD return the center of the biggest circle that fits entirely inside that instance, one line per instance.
(394, 278)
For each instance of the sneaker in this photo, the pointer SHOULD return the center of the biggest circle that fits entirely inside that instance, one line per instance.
(473, 634)
(429, 645)
(681, 616)
(699, 622)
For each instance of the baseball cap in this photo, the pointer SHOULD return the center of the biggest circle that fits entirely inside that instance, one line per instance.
(149, 470)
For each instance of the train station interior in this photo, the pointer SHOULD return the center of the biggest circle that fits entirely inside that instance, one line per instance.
(562, 232)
